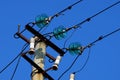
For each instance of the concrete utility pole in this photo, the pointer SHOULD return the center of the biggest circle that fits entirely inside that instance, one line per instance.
(39, 55)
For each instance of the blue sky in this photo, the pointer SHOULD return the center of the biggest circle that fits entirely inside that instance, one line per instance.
(104, 58)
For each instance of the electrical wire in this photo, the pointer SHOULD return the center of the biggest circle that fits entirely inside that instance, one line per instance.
(55, 15)
(102, 37)
(74, 63)
(84, 63)
(88, 46)
(68, 8)
(88, 19)
(77, 25)
(9, 64)
(30, 23)
(43, 29)
(68, 38)
(15, 68)
(68, 67)
(60, 13)
(23, 48)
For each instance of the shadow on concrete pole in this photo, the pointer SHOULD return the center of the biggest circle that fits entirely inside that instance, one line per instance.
(40, 52)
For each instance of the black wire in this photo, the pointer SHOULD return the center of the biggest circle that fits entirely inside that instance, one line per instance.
(68, 8)
(57, 14)
(111, 33)
(43, 29)
(15, 68)
(105, 9)
(88, 19)
(73, 64)
(32, 24)
(102, 37)
(68, 68)
(24, 47)
(88, 46)
(68, 38)
(84, 63)
(9, 63)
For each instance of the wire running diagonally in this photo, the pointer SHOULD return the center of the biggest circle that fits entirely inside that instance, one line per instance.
(15, 68)
(68, 8)
(88, 19)
(102, 37)
(24, 47)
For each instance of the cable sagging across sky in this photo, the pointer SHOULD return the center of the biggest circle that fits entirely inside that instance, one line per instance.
(84, 63)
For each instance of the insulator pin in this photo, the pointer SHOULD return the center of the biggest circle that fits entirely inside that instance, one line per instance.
(57, 61)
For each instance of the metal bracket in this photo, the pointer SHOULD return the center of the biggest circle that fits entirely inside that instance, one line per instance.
(37, 67)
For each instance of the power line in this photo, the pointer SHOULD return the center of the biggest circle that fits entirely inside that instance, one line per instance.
(88, 46)
(102, 37)
(89, 18)
(68, 38)
(24, 47)
(68, 8)
(86, 20)
(9, 64)
(84, 63)
(75, 27)
(15, 68)
(68, 67)
(73, 64)
(48, 19)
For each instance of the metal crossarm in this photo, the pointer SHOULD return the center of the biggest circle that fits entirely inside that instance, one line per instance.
(37, 67)
(42, 38)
